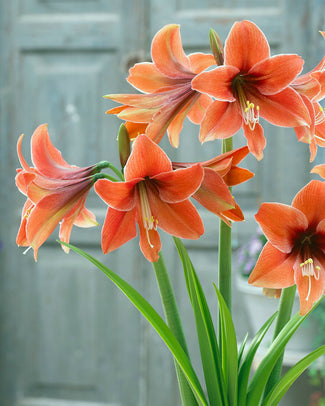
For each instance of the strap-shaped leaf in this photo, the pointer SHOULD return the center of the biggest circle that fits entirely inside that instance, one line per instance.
(258, 382)
(289, 377)
(229, 350)
(155, 320)
(210, 354)
(246, 365)
(242, 349)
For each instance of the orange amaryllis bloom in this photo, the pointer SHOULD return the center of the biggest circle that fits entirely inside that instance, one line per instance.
(219, 173)
(295, 251)
(169, 96)
(311, 86)
(153, 195)
(249, 85)
(56, 192)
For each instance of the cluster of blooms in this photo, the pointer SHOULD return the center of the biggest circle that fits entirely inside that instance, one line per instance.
(221, 92)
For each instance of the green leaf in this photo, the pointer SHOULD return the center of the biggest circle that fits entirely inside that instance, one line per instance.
(258, 382)
(155, 320)
(242, 349)
(246, 365)
(288, 378)
(229, 350)
(210, 354)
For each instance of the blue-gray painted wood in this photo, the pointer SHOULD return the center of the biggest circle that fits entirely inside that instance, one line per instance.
(68, 337)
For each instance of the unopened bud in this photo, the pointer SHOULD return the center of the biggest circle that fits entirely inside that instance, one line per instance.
(216, 47)
(123, 144)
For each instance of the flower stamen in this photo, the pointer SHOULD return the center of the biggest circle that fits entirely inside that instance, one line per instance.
(149, 222)
(308, 269)
(250, 112)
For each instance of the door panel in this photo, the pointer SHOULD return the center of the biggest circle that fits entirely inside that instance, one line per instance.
(68, 337)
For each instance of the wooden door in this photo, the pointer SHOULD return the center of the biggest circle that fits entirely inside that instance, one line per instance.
(68, 337)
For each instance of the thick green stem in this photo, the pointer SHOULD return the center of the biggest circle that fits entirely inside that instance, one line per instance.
(174, 323)
(225, 248)
(285, 309)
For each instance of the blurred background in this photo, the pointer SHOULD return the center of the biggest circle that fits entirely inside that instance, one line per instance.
(67, 336)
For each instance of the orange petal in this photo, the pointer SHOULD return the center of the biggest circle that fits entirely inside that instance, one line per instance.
(217, 83)
(273, 74)
(199, 108)
(320, 169)
(255, 140)
(147, 78)
(45, 156)
(85, 218)
(222, 120)
(214, 194)
(200, 61)
(119, 195)
(281, 224)
(168, 54)
(285, 108)
(237, 175)
(310, 200)
(245, 46)
(274, 269)
(119, 228)
(147, 160)
(135, 129)
(178, 185)
(178, 219)
(21, 238)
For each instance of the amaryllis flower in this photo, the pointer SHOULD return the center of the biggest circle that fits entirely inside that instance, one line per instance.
(56, 192)
(153, 195)
(169, 96)
(250, 84)
(295, 251)
(219, 173)
(311, 86)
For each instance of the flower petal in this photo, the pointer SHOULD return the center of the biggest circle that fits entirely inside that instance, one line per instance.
(255, 140)
(245, 46)
(285, 109)
(168, 54)
(214, 194)
(217, 82)
(200, 61)
(46, 158)
(119, 227)
(119, 195)
(147, 160)
(178, 185)
(281, 224)
(237, 175)
(178, 219)
(222, 120)
(21, 239)
(199, 108)
(273, 74)
(274, 269)
(310, 201)
(147, 78)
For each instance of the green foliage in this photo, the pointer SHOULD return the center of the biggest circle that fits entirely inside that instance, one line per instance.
(226, 371)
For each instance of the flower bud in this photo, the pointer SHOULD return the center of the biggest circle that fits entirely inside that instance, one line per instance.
(123, 144)
(216, 47)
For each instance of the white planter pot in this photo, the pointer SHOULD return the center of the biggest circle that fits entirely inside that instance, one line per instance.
(261, 307)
